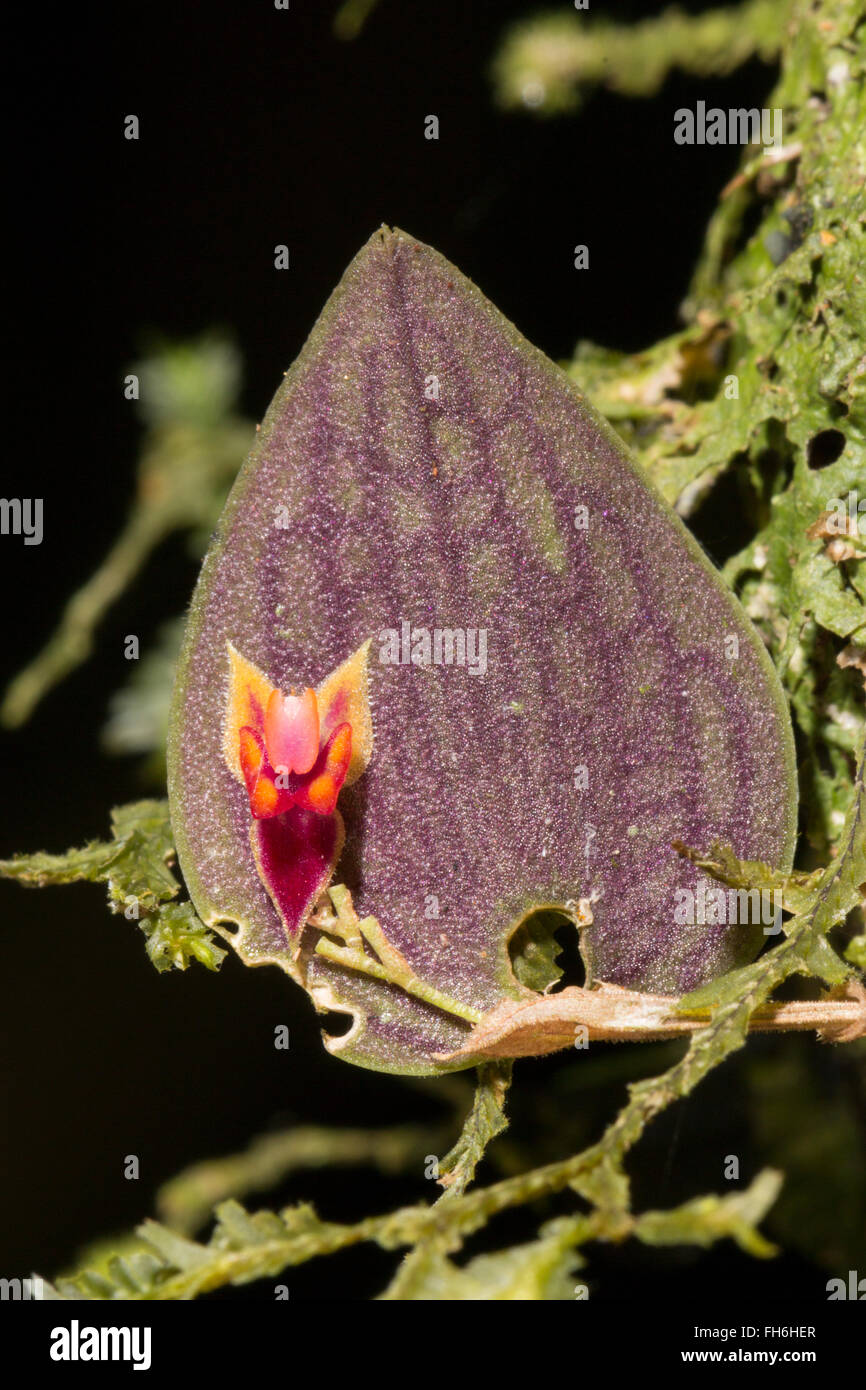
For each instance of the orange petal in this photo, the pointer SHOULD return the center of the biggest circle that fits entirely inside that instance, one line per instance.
(264, 799)
(321, 793)
(262, 792)
(251, 756)
(344, 698)
(248, 696)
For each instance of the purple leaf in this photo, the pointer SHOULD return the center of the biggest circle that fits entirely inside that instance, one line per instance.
(560, 683)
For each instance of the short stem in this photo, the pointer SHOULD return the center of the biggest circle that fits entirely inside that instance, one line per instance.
(391, 966)
(346, 924)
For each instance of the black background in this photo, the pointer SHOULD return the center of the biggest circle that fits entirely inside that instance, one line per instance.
(258, 127)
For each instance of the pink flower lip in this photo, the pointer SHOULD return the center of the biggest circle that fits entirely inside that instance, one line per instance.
(292, 731)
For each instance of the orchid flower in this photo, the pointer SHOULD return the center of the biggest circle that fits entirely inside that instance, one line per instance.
(293, 754)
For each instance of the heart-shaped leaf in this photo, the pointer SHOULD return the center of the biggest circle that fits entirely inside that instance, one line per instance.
(560, 684)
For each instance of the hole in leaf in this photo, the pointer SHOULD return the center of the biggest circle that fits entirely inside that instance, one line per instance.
(824, 448)
(335, 1025)
(721, 522)
(545, 951)
(569, 960)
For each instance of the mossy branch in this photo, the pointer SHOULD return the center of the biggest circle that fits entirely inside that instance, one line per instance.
(186, 1202)
(548, 64)
(135, 864)
(192, 450)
